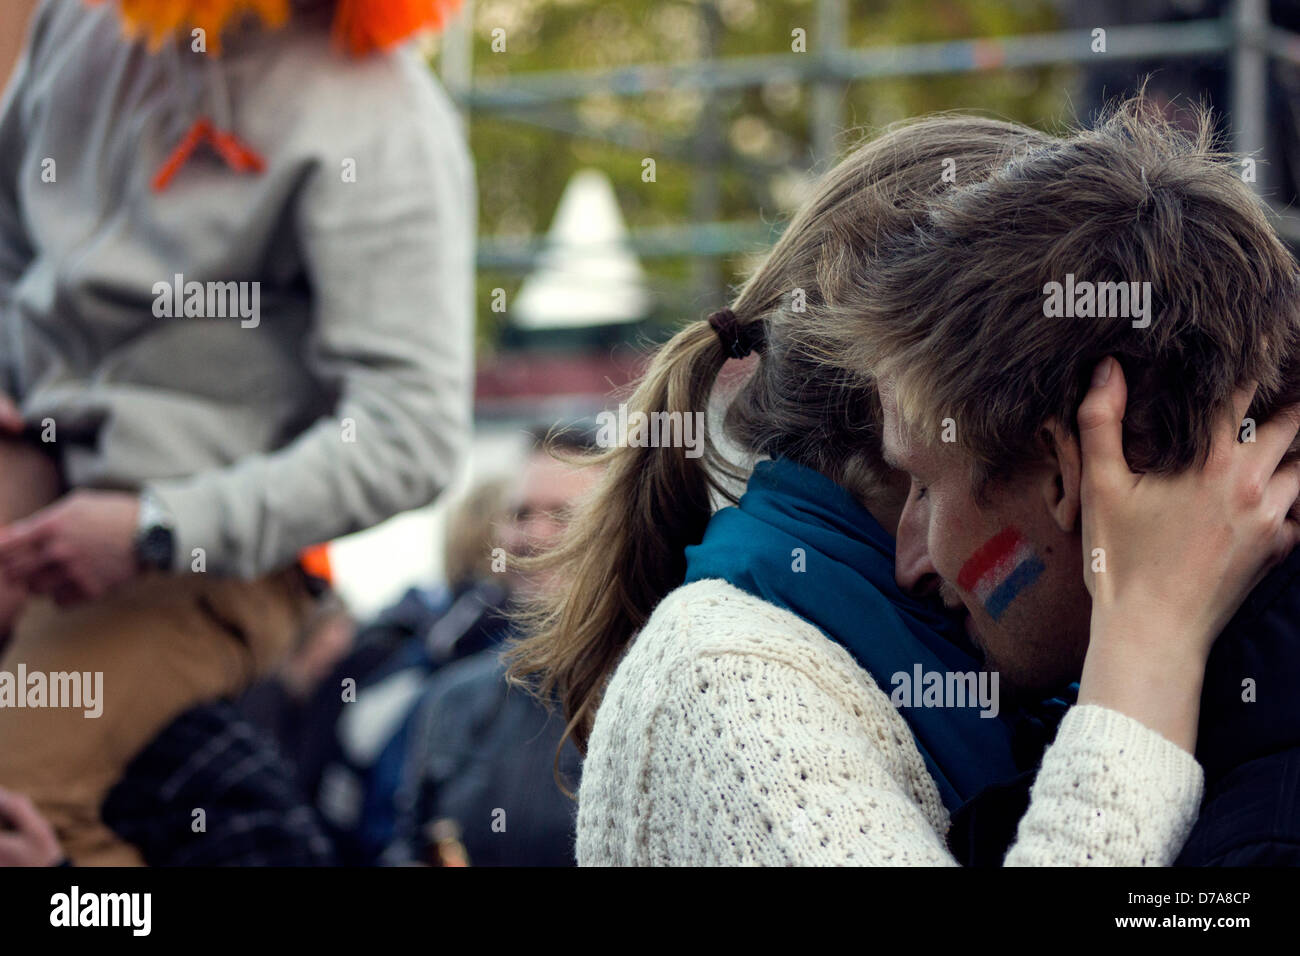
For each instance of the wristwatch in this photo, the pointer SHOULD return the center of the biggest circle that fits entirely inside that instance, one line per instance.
(155, 535)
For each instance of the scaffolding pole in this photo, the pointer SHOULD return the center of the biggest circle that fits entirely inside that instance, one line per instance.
(1249, 85)
(1246, 38)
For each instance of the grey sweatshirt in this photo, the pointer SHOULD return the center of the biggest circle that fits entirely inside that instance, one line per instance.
(344, 396)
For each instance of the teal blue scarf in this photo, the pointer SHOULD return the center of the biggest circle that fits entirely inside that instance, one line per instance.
(803, 543)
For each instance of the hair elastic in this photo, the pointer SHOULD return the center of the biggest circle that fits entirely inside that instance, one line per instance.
(738, 340)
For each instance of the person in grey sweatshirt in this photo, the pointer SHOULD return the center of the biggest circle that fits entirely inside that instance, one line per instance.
(236, 299)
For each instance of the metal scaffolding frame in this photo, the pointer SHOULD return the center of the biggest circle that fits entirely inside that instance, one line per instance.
(1245, 37)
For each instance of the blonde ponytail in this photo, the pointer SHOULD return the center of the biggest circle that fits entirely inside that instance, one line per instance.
(623, 551)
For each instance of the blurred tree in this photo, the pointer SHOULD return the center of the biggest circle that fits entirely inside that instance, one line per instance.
(765, 130)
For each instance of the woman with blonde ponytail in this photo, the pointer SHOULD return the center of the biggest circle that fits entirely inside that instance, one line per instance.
(726, 670)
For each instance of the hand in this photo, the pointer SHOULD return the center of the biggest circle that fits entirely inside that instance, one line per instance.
(78, 548)
(26, 837)
(1181, 552)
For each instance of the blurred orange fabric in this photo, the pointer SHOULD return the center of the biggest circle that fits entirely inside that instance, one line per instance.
(360, 26)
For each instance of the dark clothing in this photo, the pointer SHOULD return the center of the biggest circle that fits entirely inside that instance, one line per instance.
(1249, 737)
(1249, 817)
(302, 727)
(482, 753)
(212, 759)
(355, 752)
(983, 829)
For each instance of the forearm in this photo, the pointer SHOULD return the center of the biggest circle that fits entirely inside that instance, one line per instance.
(1131, 669)
(341, 475)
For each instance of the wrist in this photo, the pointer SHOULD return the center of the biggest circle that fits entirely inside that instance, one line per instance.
(1152, 629)
(1144, 668)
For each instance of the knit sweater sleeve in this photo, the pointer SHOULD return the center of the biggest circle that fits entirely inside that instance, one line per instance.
(1110, 792)
(754, 759)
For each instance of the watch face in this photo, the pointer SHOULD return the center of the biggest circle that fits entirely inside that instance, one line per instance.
(155, 548)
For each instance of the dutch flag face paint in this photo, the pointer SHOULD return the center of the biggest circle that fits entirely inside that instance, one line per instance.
(1002, 567)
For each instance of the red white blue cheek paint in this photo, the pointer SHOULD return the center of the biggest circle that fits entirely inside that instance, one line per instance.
(1000, 570)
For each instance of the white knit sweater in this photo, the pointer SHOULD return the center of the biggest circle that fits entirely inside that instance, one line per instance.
(734, 732)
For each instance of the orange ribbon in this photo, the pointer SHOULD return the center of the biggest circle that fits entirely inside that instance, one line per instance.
(237, 155)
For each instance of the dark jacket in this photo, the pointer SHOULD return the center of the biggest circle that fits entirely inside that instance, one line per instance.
(483, 754)
(1249, 738)
(357, 762)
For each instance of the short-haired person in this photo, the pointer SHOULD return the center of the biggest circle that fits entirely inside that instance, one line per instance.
(1139, 244)
(727, 673)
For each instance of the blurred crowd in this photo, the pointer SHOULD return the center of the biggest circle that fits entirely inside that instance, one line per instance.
(168, 472)
(391, 741)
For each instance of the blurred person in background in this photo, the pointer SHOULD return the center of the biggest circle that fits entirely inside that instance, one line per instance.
(418, 746)
(351, 740)
(480, 775)
(236, 299)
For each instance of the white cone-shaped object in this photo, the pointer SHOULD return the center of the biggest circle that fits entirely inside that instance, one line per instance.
(587, 273)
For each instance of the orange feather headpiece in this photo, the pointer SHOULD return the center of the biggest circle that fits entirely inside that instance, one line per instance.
(360, 26)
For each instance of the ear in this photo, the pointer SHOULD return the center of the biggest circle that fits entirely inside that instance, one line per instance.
(1063, 469)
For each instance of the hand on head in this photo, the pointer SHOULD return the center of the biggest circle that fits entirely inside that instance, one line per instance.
(1170, 558)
